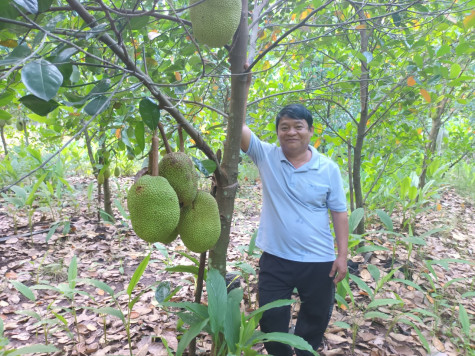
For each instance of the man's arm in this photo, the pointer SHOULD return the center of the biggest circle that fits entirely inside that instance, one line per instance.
(246, 131)
(340, 225)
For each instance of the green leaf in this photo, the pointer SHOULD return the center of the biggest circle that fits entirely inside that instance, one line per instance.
(19, 53)
(31, 197)
(418, 332)
(6, 96)
(383, 302)
(206, 166)
(30, 313)
(33, 349)
(274, 304)
(42, 78)
(29, 5)
(362, 285)
(138, 22)
(376, 314)
(162, 291)
(101, 285)
(409, 283)
(65, 54)
(419, 60)
(37, 105)
(217, 300)
(396, 19)
(150, 113)
(370, 248)
(111, 311)
(232, 322)
(464, 320)
(463, 48)
(140, 134)
(2, 327)
(138, 274)
(27, 292)
(455, 70)
(385, 219)
(444, 49)
(209, 165)
(97, 105)
(341, 301)
(468, 295)
(192, 332)
(355, 219)
(342, 324)
(289, 339)
(198, 309)
(4, 115)
(73, 272)
(374, 271)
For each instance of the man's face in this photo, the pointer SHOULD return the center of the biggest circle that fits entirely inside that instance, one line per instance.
(294, 135)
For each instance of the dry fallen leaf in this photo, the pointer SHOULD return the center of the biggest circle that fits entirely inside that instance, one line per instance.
(438, 344)
(336, 339)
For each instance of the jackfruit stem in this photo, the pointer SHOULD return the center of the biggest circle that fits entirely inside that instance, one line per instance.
(164, 138)
(154, 155)
(180, 136)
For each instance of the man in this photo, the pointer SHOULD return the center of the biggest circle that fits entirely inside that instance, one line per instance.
(299, 187)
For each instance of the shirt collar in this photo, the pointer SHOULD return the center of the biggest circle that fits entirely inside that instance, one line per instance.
(314, 162)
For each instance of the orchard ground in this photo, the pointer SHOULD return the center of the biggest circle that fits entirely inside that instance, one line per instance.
(110, 252)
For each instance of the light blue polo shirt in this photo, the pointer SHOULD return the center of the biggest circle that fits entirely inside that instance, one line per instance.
(294, 220)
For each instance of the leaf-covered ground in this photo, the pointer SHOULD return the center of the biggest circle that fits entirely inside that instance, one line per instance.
(110, 253)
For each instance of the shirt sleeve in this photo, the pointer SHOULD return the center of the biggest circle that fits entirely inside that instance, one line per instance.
(336, 199)
(257, 149)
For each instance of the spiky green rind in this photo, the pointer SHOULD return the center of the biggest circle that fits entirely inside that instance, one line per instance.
(214, 22)
(154, 208)
(180, 172)
(200, 225)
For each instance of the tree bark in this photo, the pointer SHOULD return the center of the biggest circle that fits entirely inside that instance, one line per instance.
(432, 144)
(4, 141)
(89, 152)
(350, 179)
(107, 198)
(227, 183)
(364, 99)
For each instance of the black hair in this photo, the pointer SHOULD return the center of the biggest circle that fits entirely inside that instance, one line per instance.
(296, 112)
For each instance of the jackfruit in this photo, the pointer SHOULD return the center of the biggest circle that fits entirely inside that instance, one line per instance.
(107, 173)
(117, 171)
(100, 178)
(170, 237)
(180, 172)
(200, 225)
(214, 22)
(20, 126)
(154, 208)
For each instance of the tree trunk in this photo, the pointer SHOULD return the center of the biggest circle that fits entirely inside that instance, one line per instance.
(364, 99)
(89, 151)
(25, 131)
(4, 141)
(227, 183)
(107, 198)
(432, 144)
(350, 179)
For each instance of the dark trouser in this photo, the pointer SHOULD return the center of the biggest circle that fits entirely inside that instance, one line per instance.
(277, 279)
